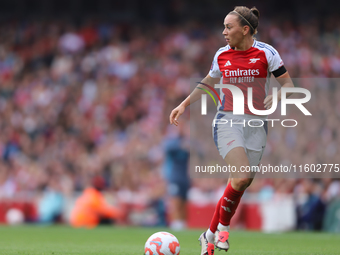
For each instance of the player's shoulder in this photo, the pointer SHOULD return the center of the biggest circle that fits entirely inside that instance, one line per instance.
(221, 50)
(265, 47)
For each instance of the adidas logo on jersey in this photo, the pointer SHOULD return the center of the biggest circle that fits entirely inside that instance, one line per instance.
(227, 63)
(253, 60)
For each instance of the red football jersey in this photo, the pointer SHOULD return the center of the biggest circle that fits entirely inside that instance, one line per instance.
(250, 68)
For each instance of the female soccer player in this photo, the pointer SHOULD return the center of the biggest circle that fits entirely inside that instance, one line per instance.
(244, 62)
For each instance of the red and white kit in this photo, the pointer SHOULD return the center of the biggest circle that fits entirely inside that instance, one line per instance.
(250, 68)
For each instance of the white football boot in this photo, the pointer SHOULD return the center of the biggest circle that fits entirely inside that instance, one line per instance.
(207, 248)
(221, 239)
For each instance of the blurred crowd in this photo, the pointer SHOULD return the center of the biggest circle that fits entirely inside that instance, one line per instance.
(89, 99)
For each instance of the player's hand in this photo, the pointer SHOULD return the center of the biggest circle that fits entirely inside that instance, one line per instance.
(178, 111)
(268, 101)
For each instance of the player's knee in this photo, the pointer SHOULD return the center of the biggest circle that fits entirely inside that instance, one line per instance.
(241, 183)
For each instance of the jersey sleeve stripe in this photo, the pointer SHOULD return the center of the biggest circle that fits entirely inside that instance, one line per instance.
(271, 49)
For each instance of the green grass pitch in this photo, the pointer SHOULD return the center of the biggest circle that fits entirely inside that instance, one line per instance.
(62, 240)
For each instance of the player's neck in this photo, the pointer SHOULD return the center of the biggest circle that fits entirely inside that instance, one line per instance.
(245, 44)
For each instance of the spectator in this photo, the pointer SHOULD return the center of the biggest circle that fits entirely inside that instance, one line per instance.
(50, 206)
(91, 208)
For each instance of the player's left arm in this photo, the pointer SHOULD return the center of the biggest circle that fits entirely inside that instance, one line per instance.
(285, 81)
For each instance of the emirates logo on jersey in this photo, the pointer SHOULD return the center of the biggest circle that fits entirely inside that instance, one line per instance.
(241, 72)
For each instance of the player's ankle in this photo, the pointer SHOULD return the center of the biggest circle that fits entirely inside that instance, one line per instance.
(222, 227)
(210, 236)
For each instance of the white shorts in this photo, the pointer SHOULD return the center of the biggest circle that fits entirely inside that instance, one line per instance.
(247, 131)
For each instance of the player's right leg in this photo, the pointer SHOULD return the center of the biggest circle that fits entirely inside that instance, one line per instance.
(208, 237)
(207, 248)
(232, 195)
(230, 142)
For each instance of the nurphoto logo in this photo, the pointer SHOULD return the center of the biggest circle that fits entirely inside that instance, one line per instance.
(238, 101)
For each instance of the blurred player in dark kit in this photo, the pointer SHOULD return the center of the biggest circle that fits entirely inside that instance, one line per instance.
(175, 170)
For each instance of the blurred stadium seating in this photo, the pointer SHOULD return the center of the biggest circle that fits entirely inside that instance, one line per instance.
(86, 89)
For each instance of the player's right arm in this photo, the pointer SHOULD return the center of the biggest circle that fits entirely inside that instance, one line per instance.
(193, 97)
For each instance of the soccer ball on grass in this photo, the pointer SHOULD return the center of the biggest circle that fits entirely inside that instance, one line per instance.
(162, 243)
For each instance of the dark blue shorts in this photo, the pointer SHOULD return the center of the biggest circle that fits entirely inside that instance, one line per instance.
(178, 189)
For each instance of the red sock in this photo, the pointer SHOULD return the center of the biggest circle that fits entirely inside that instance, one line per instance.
(216, 218)
(229, 202)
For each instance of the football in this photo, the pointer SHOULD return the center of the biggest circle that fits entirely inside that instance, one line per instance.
(162, 243)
